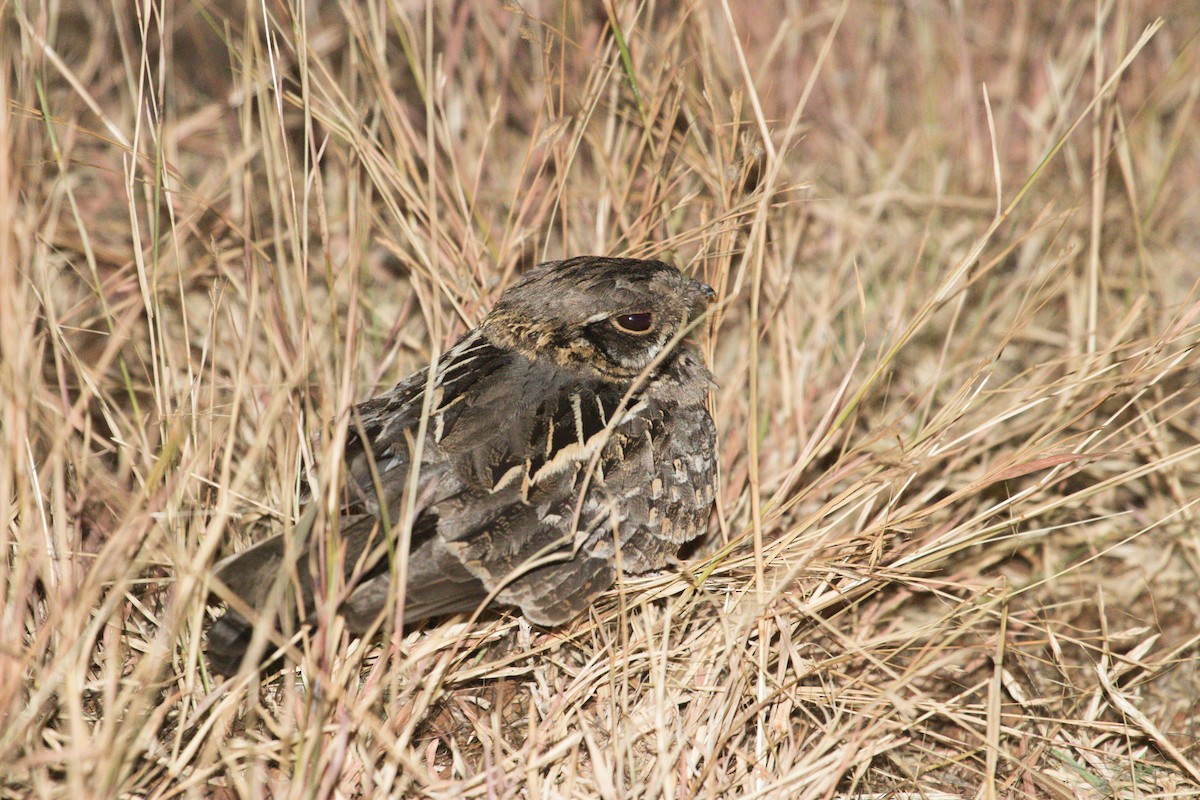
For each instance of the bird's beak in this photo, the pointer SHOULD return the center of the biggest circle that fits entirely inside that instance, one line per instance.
(703, 297)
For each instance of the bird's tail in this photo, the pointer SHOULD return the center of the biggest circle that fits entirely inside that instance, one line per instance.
(228, 639)
(251, 575)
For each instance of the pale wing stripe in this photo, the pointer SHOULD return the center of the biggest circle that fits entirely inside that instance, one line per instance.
(578, 409)
(454, 359)
(581, 452)
(514, 472)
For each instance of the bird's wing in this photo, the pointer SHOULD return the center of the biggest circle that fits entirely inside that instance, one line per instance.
(382, 436)
(514, 525)
(377, 456)
(606, 483)
(510, 446)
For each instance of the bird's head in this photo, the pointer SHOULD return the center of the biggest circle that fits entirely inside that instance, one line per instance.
(604, 316)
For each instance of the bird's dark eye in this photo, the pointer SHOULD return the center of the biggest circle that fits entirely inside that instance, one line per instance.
(642, 322)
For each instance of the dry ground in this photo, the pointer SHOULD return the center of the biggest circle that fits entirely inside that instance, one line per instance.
(957, 246)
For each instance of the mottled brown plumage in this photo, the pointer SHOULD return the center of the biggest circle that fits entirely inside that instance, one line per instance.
(571, 423)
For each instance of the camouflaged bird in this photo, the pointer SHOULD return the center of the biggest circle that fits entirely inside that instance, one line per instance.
(569, 425)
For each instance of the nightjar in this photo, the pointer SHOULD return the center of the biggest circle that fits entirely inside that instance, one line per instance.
(567, 439)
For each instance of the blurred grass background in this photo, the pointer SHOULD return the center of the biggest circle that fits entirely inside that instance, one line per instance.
(956, 246)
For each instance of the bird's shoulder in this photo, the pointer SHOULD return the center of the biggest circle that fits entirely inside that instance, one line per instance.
(383, 430)
(497, 422)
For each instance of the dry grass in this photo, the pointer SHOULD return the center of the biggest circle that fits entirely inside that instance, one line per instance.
(956, 552)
